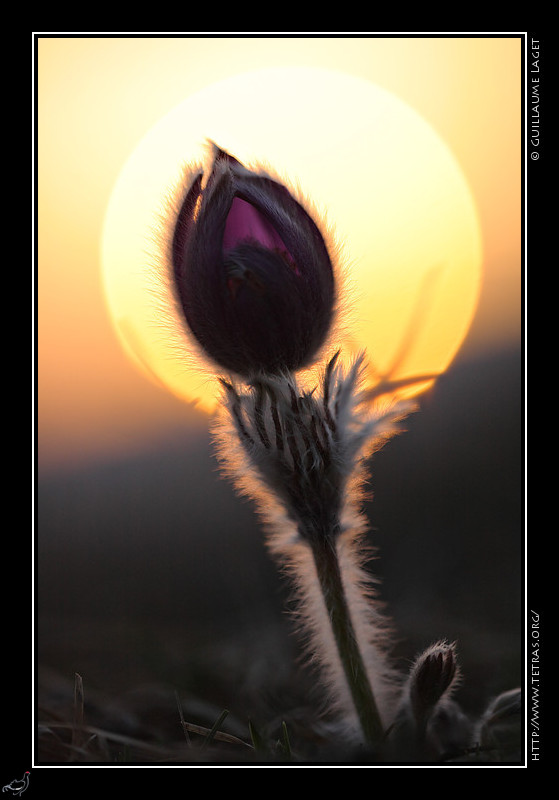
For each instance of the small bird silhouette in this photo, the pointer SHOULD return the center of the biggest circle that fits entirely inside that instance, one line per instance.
(17, 787)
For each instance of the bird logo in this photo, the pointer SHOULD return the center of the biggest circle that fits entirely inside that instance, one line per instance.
(16, 787)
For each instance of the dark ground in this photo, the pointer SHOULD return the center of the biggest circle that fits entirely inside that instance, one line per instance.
(153, 579)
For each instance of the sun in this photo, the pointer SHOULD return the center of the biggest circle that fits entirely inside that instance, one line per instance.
(383, 179)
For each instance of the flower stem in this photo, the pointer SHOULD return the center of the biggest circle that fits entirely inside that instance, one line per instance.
(331, 584)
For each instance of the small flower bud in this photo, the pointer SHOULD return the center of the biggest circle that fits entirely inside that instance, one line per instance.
(431, 676)
(252, 271)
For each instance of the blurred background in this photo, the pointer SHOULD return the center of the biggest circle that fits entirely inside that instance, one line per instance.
(152, 576)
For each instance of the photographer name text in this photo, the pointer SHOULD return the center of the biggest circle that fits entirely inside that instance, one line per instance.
(534, 89)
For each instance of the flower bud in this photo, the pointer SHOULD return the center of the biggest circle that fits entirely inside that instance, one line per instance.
(434, 671)
(252, 271)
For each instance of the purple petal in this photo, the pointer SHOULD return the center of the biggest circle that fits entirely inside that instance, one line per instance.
(183, 226)
(246, 224)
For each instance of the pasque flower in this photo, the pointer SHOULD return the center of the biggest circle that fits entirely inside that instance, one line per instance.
(433, 674)
(255, 282)
(252, 271)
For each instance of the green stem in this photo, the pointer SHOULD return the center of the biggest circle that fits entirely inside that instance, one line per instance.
(330, 578)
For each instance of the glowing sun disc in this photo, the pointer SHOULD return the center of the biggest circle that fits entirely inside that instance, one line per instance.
(388, 184)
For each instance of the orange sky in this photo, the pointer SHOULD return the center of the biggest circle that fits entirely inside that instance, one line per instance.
(97, 97)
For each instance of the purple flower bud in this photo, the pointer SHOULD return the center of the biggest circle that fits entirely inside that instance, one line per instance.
(252, 271)
(431, 676)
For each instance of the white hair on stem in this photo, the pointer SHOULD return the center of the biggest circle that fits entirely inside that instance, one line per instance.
(301, 457)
